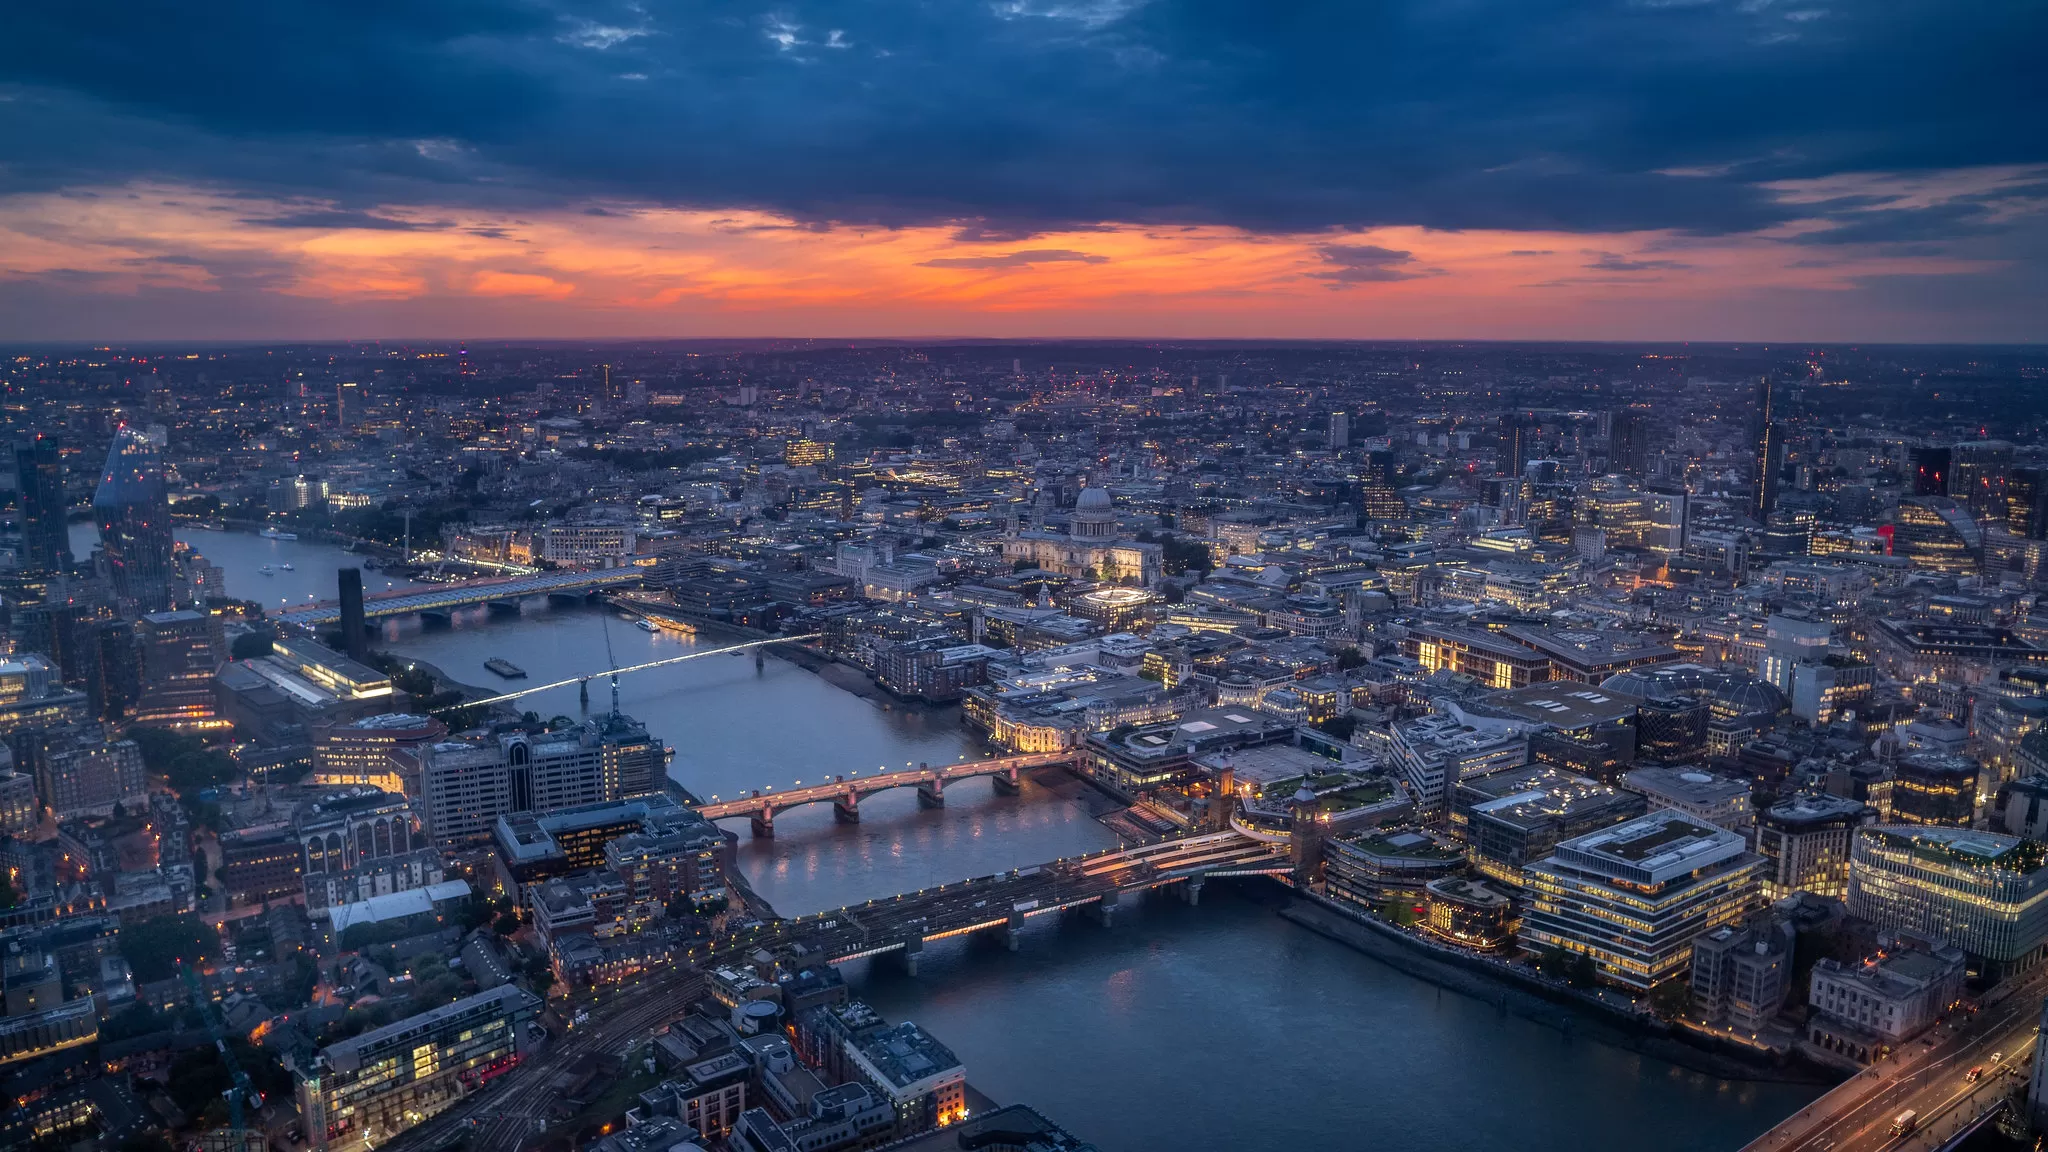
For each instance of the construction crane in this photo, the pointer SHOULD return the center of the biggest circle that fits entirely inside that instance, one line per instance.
(237, 1137)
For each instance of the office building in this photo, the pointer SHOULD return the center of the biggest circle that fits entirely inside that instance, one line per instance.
(1864, 1011)
(1468, 913)
(1980, 891)
(45, 531)
(1770, 462)
(1741, 975)
(465, 786)
(1516, 817)
(1934, 788)
(1635, 896)
(379, 751)
(1718, 800)
(920, 1078)
(1628, 442)
(361, 1092)
(1806, 840)
(134, 514)
(1930, 467)
(362, 842)
(1432, 754)
(80, 774)
(261, 864)
(179, 654)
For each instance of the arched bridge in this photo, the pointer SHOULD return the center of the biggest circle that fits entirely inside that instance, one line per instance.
(845, 792)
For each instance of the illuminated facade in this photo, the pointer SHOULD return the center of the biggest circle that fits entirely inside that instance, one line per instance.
(1635, 896)
(180, 652)
(371, 751)
(1806, 839)
(134, 515)
(1982, 892)
(363, 1091)
(1490, 659)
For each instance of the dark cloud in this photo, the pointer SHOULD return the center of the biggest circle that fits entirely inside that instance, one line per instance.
(1009, 120)
(1363, 264)
(1023, 259)
(334, 219)
(1937, 222)
(1615, 262)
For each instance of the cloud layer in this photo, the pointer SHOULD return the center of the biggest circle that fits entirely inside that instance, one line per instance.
(1646, 134)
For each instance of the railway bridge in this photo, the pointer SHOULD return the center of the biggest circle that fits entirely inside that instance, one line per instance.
(442, 598)
(1007, 901)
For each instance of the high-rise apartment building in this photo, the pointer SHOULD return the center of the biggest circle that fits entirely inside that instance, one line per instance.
(134, 515)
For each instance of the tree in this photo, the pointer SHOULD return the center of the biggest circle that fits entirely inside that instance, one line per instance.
(182, 758)
(1350, 658)
(154, 947)
(506, 924)
(1583, 973)
(1670, 999)
(250, 646)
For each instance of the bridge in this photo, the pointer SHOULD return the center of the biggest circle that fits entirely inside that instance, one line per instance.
(905, 924)
(615, 673)
(845, 792)
(445, 597)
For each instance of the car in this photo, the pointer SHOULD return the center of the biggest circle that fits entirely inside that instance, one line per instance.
(1997, 1056)
(1976, 1074)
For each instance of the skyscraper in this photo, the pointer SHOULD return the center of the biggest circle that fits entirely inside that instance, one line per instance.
(1516, 441)
(134, 515)
(352, 639)
(1770, 460)
(1931, 469)
(1340, 430)
(45, 541)
(1628, 442)
(348, 403)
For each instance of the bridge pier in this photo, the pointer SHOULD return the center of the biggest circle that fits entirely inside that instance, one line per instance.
(912, 946)
(764, 824)
(931, 793)
(1104, 910)
(1008, 783)
(1013, 935)
(1191, 891)
(846, 809)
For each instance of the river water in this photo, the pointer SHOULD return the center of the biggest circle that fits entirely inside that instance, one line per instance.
(1221, 1026)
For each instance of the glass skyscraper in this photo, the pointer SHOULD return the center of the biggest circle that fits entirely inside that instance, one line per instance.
(39, 475)
(134, 515)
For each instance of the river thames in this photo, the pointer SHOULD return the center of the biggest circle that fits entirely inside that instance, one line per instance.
(1220, 1026)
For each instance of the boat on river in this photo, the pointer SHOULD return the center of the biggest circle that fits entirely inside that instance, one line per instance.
(274, 534)
(505, 668)
(267, 570)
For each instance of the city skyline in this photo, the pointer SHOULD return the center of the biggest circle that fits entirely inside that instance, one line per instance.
(1630, 172)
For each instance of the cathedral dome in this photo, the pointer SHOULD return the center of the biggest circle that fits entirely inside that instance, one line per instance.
(1093, 518)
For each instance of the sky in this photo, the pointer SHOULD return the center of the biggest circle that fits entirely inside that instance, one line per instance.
(1821, 170)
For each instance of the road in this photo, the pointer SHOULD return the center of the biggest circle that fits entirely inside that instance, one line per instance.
(506, 1111)
(1936, 1085)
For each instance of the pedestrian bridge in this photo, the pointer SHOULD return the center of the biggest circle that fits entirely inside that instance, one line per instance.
(444, 597)
(845, 792)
